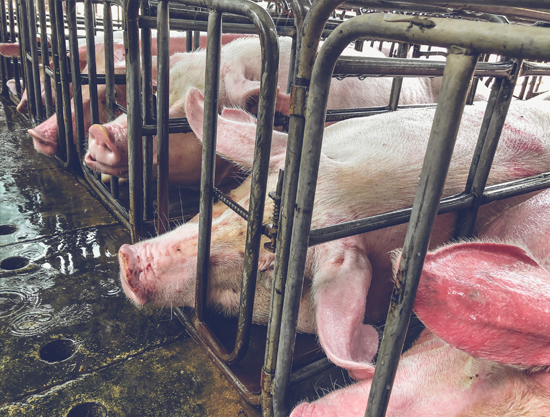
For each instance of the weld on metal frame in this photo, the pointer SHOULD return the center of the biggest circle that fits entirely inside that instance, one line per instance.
(459, 36)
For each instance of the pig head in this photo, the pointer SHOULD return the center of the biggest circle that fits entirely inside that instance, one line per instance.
(486, 349)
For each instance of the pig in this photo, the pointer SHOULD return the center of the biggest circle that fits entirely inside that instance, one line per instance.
(239, 86)
(368, 166)
(45, 134)
(485, 351)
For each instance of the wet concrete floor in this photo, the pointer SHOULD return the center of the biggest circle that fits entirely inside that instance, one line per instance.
(71, 344)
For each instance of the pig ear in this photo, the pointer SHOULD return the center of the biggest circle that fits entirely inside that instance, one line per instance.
(10, 50)
(490, 300)
(245, 93)
(341, 285)
(236, 135)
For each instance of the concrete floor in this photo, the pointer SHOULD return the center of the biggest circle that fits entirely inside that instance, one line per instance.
(71, 343)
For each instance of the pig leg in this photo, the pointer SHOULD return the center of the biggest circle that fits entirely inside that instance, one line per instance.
(236, 133)
(340, 288)
(496, 299)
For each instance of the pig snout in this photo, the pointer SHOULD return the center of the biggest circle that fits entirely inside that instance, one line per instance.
(130, 272)
(45, 136)
(103, 154)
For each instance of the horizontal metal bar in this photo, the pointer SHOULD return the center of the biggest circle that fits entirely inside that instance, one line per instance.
(181, 24)
(448, 204)
(310, 371)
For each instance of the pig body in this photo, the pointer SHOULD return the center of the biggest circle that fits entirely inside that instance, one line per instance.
(368, 166)
(485, 350)
(239, 85)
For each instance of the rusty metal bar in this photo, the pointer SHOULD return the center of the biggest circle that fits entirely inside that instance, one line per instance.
(13, 38)
(397, 83)
(45, 57)
(92, 68)
(39, 111)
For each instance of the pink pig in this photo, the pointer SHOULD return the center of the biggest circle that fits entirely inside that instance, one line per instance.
(239, 85)
(485, 351)
(368, 166)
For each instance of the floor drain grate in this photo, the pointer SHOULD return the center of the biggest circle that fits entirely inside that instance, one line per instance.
(15, 262)
(88, 410)
(58, 351)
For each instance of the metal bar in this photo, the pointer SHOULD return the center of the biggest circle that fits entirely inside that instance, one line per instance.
(45, 57)
(65, 100)
(397, 83)
(4, 61)
(34, 60)
(76, 79)
(135, 151)
(13, 38)
(61, 144)
(189, 41)
(163, 107)
(109, 77)
(452, 98)
(148, 110)
(25, 40)
(310, 371)
(196, 40)
(92, 71)
(482, 162)
(210, 124)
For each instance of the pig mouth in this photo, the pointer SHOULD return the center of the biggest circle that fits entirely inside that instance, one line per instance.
(130, 275)
(120, 171)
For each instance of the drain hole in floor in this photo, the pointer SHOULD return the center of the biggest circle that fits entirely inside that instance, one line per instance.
(7, 229)
(15, 262)
(88, 410)
(58, 351)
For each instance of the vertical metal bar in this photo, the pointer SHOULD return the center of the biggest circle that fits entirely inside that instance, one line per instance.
(61, 144)
(13, 38)
(4, 61)
(135, 153)
(189, 41)
(65, 84)
(292, 64)
(531, 88)
(487, 144)
(163, 104)
(523, 88)
(148, 110)
(109, 76)
(452, 98)
(92, 71)
(34, 59)
(397, 83)
(45, 57)
(211, 91)
(25, 46)
(196, 40)
(76, 77)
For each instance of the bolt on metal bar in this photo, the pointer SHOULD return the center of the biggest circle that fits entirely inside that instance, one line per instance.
(208, 170)
(135, 149)
(163, 107)
(45, 57)
(241, 211)
(34, 60)
(452, 98)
